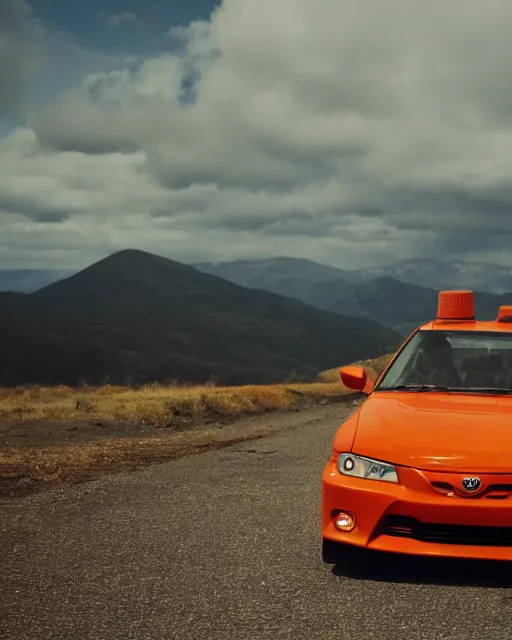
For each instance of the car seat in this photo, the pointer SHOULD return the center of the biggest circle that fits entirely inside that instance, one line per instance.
(482, 371)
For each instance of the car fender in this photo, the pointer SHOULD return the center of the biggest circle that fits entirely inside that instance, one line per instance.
(346, 433)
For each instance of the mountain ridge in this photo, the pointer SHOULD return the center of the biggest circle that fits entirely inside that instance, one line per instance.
(290, 273)
(140, 316)
(432, 273)
(389, 301)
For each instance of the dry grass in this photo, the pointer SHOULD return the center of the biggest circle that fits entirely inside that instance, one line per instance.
(54, 434)
(154, 405)
(28, 467)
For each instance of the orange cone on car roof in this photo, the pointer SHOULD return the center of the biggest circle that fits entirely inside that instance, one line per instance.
(456, 305)
(504, 313)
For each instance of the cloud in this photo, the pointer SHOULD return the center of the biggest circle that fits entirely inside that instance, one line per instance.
(22, 55)
(344, 133)
(116, 20)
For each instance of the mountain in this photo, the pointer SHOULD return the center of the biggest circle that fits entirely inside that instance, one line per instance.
(445, 274)
(299, 278)
(386, 300)
(293, 277)
(138, 317)
(404, 306)
(29, 280)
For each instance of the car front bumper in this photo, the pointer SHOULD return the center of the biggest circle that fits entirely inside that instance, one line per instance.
(415, 517)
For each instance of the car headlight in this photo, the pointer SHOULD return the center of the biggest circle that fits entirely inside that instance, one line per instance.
(358, 467)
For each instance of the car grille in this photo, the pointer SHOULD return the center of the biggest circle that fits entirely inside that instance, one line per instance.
(405, 527)
(491, 491)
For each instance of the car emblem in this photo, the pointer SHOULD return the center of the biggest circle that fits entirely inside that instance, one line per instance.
(471, 484)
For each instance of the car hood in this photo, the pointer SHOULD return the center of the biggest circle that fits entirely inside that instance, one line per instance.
(437, 431)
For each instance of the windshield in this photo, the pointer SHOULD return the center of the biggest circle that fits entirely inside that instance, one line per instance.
(453, 360)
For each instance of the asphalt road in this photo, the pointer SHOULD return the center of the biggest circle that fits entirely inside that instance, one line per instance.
(225, 545)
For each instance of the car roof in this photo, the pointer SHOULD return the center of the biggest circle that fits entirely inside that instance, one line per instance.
(477, 326)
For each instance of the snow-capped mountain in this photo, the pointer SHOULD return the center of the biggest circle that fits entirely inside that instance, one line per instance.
(445, 274)
(291, 276)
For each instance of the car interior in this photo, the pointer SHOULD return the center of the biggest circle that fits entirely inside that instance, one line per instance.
(438, 361)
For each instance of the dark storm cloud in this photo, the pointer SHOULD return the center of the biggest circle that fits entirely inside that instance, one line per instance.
(464, 242)
(295, 227)
(32, 209)
(472, 212)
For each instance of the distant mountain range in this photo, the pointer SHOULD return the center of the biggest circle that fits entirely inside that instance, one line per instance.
(29, 280)
(390, 300)
(294, 277)
(446, 274)
(137, 317)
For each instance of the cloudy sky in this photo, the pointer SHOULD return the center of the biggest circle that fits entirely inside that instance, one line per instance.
(351, 133)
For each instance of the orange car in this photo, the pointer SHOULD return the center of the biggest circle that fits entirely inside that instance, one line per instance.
(424, 465)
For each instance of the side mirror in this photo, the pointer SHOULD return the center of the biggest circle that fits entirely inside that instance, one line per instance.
(356, 378)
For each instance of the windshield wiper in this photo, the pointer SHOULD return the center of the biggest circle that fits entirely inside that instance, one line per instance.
(417, 387)
(490, 390)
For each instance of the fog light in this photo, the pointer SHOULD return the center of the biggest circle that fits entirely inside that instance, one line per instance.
(344, 521)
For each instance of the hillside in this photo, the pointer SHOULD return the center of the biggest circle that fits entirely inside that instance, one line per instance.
(136, 317)
(404, 306)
